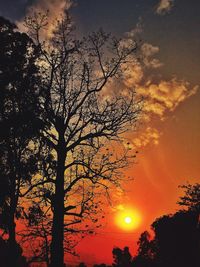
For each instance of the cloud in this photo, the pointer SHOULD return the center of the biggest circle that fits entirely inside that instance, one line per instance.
(132, 74)
(161, 97)
(164, 6)
(150, 135)
(137, 30)
(55, 8)
(148, 51)
(165, 96)
(134, 69)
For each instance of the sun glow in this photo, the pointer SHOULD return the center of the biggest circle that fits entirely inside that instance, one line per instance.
(128, 219)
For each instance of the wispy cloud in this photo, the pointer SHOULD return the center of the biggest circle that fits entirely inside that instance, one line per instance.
(164, 6)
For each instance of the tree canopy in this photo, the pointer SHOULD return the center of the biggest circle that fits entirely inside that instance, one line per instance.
(19, 121)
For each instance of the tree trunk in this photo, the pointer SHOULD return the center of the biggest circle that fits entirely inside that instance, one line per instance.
(11, 227)
(12, 260)
(57, 250)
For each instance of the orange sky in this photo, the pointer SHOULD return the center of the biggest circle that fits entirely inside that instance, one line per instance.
(169, 136)
(160, 169)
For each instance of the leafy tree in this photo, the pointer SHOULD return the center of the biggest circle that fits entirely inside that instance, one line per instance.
(122, 257)
(146, 251)
(191, 198)
(144, 245)
(83, 124)
(176, 239)
(5, 255)
(19, 121)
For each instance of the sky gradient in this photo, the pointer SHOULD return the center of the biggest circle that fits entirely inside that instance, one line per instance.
(168, 137)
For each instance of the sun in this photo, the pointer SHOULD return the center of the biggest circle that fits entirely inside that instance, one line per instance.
(128, 219)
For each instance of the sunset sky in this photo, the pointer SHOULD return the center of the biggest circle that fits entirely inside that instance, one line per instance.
(167, 76)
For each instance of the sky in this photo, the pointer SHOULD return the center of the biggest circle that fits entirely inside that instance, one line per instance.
(167, 75)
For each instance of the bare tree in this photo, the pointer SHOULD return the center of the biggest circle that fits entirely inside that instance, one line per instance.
(84, 125)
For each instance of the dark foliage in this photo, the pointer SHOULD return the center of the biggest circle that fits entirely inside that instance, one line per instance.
(177, 237)
(191, 198)
(122, 257)
(19, 121)
(146, 251)
(6, 255)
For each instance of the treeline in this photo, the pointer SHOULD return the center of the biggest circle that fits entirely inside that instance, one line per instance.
(61, 131)
(175, 240)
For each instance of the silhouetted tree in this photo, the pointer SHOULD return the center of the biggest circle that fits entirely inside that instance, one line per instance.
(176, 240)
(146, 251)
(191, 198)
(122, 257)
(19, 121)
(6, 254)
(144, 245)
(80, 121)
(36, 235)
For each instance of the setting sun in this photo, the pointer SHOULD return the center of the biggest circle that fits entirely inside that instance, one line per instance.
(128, 219)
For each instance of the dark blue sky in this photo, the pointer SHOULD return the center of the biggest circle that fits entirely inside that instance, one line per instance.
(176, 33)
